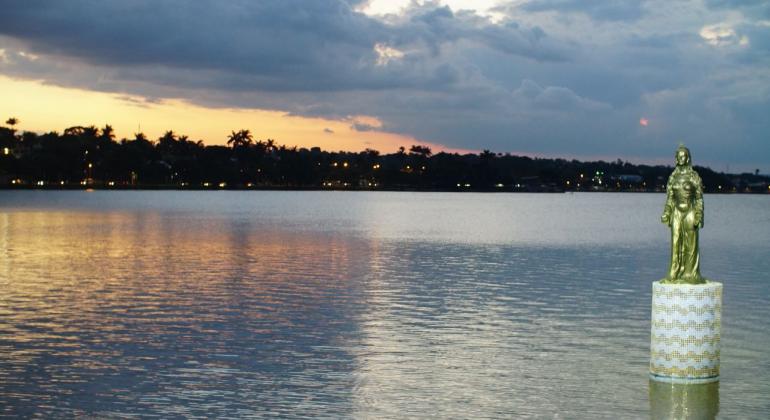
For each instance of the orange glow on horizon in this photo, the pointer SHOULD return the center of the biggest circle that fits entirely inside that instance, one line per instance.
(43, 108)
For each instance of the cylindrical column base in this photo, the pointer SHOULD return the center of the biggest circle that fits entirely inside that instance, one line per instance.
(679, 401)
(685, 333)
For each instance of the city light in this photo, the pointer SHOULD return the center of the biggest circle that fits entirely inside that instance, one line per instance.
(6, 151)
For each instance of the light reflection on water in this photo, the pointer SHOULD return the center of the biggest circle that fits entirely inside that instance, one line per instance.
(358, 305)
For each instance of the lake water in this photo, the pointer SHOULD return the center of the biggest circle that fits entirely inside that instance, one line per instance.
(363, 305)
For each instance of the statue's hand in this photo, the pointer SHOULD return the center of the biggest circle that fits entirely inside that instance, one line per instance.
(698, 220)
(665, 219)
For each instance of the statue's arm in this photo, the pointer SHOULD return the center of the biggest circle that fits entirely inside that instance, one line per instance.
(698, 201)
(666, 217)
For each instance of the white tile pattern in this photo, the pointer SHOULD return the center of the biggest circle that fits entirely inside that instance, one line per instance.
(685, 332)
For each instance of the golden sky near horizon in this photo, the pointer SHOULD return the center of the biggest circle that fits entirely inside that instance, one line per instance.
(43, 108)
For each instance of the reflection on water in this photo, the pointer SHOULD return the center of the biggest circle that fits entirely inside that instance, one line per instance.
(4, 257)
(684, 402)
(143, 313)
(250, 307)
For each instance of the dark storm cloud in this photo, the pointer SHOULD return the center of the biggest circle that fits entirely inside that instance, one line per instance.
(544, 78)
(278, 45)
(612, 10)
(284, 43)
(437, 25)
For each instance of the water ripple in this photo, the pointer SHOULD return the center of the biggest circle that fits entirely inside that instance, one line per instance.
(365, 306)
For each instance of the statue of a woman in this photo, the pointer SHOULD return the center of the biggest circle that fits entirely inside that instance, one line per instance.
(684, 214)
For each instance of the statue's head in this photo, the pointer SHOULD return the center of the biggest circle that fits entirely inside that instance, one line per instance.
(682, 156)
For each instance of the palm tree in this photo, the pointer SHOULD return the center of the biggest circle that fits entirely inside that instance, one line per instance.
(76, 130)
(12, 122)
(270, 145)
(91, 132)
(167, 142)
(8, 135)
(420, 150)
(241, 138)
(486, 155)
(108, 132)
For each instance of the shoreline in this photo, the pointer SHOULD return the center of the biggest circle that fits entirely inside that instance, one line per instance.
(498, 190)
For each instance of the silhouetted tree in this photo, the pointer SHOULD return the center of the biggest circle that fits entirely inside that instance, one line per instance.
(240, 138)
(108, 132)
(140, 136)
(175, 160)
(420, 150)
(12, 122)
(167, 142)
(270, 145)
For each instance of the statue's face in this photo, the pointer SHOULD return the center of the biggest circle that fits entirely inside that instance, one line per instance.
(682, 158)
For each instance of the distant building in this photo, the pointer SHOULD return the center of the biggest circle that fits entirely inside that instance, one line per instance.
(630, 179)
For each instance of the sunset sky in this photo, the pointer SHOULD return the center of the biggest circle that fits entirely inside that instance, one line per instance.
(560, 78)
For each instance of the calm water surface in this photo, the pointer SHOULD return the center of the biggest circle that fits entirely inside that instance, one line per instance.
(363, 305)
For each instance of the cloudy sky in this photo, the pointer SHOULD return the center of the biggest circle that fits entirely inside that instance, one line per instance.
(583, 79)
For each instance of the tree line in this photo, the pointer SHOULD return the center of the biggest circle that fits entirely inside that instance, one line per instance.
(92, 157)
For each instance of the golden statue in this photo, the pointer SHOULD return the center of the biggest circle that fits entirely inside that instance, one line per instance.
(684, 214)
